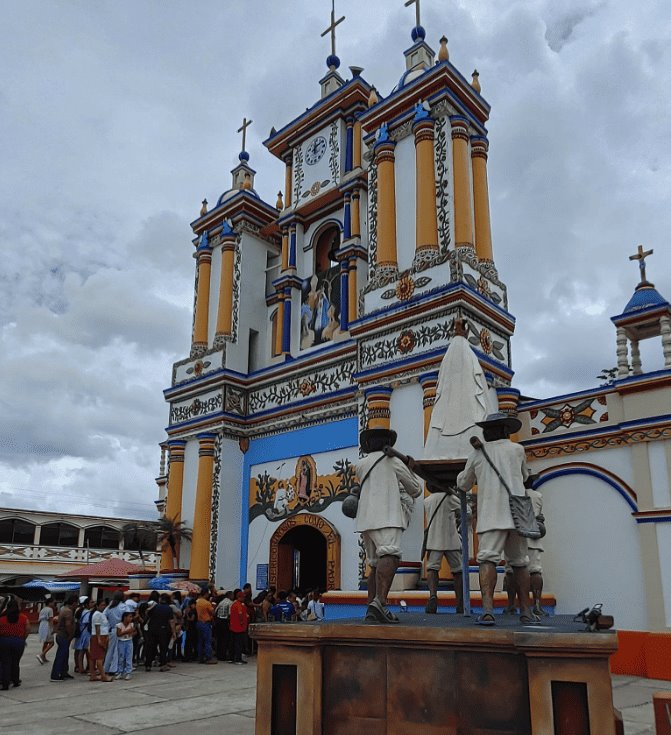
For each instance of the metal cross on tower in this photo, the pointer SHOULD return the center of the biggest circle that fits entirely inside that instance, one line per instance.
(641, 255)
(332, 27)
(243, 129)
(408, 3)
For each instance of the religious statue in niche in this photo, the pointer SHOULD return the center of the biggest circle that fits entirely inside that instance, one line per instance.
(320, 298)
(277, 497)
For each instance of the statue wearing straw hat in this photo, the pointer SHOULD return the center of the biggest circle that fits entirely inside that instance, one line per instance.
(500, 470)
(388, 490)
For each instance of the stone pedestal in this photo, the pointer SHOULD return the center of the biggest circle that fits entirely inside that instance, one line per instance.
(435, 675)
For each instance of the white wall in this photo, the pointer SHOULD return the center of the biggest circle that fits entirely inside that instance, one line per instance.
(664, 546)
(404, 170)
(230, 512)
(188, 496)
(659, 474)
(592, 550)
(407, 419)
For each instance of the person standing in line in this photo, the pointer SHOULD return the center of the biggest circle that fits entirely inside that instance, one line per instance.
(176, 646)
(315, 606)
(205, 615)
(46, 629)
(84, 639)
(14, 629)
(191, 632)
(65, 632)
(79, 649)
(114, 613)
(125, 632)
(161, 628)
(239, 622)
(98, 643)
(222, 616)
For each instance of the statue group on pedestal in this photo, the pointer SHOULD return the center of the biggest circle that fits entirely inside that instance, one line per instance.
(508, 512)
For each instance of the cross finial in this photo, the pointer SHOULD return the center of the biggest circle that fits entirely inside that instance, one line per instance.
(243, 129)
(332, 27)
(641, 255)
(408, 3)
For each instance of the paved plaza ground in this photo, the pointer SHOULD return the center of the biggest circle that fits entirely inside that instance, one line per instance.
(219, 698)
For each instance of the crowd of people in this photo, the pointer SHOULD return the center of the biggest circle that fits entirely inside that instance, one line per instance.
(108, 639)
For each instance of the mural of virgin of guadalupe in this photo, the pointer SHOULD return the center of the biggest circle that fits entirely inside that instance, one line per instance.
(321, 311)
(306, 478)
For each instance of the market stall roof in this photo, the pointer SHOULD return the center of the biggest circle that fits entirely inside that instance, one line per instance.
(107, 569)
(51, 585)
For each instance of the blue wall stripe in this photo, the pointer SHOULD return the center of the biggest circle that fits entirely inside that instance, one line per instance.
(588, 471)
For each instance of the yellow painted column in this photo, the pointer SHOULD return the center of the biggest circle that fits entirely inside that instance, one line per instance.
(356, 149)
(225, 310)
(353, 294)
(285, 248)
(355, 215)
(202, 512)
(429, 382)
(287, 181)
(483, 229)
(426, 227)
(173, 504)
(379, 413)
(279, 329)
(386, 204)
(463, 209)
(200, 322)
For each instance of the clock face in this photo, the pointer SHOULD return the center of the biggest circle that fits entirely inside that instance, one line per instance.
(315, 150)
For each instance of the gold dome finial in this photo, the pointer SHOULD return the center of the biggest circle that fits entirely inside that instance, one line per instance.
(373, 99)
(476, 82)
(279, 204)
(443, 53)
(203, 209)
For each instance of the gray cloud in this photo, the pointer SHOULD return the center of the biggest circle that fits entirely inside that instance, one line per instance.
(116, 118)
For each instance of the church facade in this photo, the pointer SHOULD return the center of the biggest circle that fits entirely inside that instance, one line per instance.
(330, 310)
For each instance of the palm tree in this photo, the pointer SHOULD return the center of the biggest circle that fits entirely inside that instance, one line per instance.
(139, 535)
(171, 532)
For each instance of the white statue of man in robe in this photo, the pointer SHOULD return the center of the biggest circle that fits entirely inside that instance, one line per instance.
(461, 401)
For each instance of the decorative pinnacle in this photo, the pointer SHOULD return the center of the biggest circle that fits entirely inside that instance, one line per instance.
(443, 53)
(373, 99)
(641, 255)
(279, 204)
(476, 82)
(203, 209)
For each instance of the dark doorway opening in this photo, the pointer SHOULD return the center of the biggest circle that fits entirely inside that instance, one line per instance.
(302, 560)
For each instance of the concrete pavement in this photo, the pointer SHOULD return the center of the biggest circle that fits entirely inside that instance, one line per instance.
(191, 696)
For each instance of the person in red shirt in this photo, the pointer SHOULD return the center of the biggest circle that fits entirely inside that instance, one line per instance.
(239, 622)
(14, 629)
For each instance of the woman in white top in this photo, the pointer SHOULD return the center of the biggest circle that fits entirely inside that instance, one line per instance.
(46, 630)
(315, 607)
(99, 641)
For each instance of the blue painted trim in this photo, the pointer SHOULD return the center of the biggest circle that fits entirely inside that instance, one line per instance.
(344, 295)
(596, 392)
(349, 148)
(347, 221)
(658, 519)
(286, 325)
(292, 249)
(329, 437)
(553, 474)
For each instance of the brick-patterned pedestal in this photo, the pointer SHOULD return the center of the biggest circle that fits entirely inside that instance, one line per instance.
(435, 675)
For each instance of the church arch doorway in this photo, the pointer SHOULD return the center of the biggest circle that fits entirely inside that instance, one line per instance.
(304, 554)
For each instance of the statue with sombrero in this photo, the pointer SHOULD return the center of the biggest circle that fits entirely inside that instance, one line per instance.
(505, 515)
(386, 500)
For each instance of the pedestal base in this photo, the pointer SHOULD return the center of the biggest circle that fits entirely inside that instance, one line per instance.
(434, 675)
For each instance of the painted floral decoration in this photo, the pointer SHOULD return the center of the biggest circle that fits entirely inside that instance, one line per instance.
(406, 341)
(306, 387)
(483, 287)
(486, 341)
(567, 415)
(405, 288)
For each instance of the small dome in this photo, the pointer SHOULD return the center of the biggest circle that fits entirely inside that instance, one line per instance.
(232, 192)
(243, 156)
(409, 76)
(643, 298)
(332, 61)
(418, 33)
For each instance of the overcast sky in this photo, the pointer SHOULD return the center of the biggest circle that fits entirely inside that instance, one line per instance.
(117, 118)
